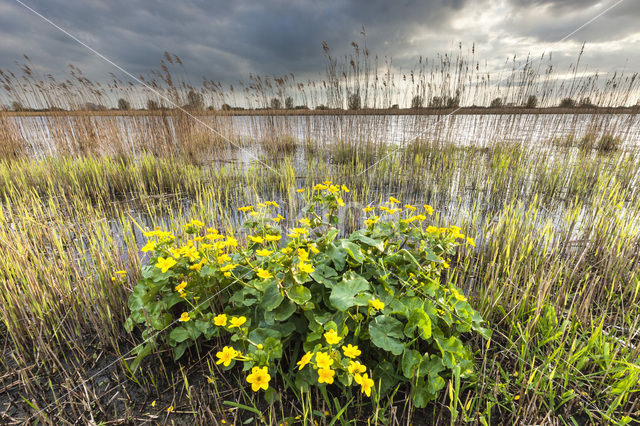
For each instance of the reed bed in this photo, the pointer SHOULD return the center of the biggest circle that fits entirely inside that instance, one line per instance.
(556, 271)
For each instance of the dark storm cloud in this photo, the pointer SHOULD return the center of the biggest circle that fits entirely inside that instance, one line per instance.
(551, 20)
(227, 40)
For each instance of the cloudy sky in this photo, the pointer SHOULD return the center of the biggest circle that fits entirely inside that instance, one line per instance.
(227, 40)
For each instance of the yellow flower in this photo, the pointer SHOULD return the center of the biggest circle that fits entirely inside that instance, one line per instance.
(180, 286)
(351, 351)
(368, 209)
(303, 254)
(272, 203)
(150, 246)
(153, 404)
(324, 360)
(372, 220)
(237, 322)
(273, 237)
(340, 202)
(332, 337)
(170, 409)
(256, 239)
(458, 296)
(184, 317)
(344, 188)
(517, 397)
(259, 378)
(334, 188)
(313, 248)
(245, 209)
(393, 200)
(356, 368)
(226, 355)
(287, 250)
(471, 242)
(278, 218)
(165, 264)
(296, 232)
(220, 320)
(264, 274)
(305, 267)
(231, 242)
(366, 383)
(306, 358)
(300, 191)
(320, 187)
(229, 267)
(376, 304)
(305, 221)
(325, 375)
(263, 252)
(409, 207)
(121, 272)
(192, 254)
(194, 223)
(198, 265)
(223, 258)
(428, 209)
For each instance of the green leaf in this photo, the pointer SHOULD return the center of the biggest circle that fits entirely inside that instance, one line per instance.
(451, 349)
(385, 332)
(179, 334)
(271, 395)
(299, 294)
(357, 236)
(432, 257)
(353, 250)
(430, 365)
(260, 335)
(323, 275)
(435, 383)
(421, 394)
(272, 297)
(171, 299)
(410, 360)
(343, 295)
(128, 325)
(285, 310)
(337, 255)
(178, 351)
(143, 351)
(418, 319)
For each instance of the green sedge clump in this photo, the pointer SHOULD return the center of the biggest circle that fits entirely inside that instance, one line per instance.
(368, 310)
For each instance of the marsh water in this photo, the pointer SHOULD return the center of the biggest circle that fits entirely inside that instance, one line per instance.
(42, 134)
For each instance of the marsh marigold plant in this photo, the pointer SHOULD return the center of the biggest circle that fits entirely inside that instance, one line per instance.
(367, 311)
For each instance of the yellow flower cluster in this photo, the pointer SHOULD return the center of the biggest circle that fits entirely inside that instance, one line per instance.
(325, 361)
(222, 320)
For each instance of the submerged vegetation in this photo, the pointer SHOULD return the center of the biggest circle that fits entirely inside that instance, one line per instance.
(172, 267)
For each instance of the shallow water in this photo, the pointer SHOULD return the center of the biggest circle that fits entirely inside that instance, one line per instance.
(40, 132)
